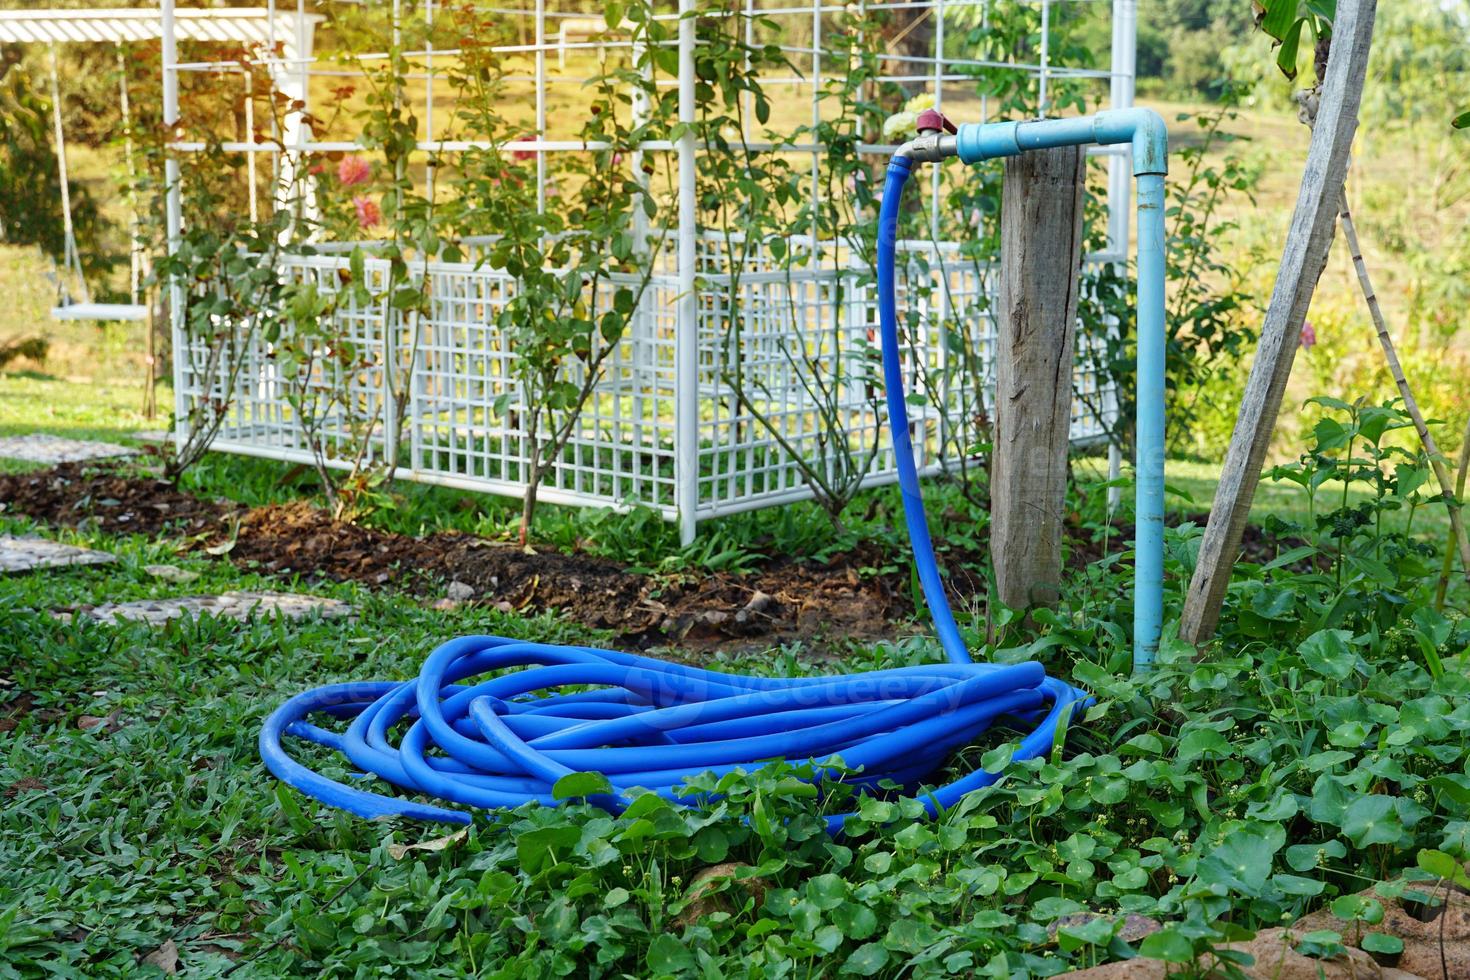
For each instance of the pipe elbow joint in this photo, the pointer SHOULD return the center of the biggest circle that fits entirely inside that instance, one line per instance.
(1144, 129)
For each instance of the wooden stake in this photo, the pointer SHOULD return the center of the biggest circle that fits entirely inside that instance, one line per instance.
(1449, 551)
(1302, 262)
(1040, 253)
(1452, 500)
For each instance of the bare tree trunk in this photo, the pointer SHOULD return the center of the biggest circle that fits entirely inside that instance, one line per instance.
(1451, 498)
(533, 480)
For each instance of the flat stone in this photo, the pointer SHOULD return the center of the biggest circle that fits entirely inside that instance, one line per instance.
(229, 605)
(39, 447)
(156, 437)
(18, 555)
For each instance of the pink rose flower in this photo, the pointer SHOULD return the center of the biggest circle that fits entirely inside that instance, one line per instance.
(524, 154)
(353, 171)
(368, 214)
(1309, 335)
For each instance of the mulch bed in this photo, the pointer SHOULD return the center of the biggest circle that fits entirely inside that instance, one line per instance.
(113, 499)
(781, 599)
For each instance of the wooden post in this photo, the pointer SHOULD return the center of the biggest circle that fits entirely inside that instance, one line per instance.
(1040, 254)
(1302, 262)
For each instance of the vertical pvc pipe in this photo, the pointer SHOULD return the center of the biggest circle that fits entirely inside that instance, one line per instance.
(643, 348)
(1122, 67)
(936, 172)
(541, 105)
(174, 220)
(1148, 596)
(251, 176)
(1045, 70)
(686, 324)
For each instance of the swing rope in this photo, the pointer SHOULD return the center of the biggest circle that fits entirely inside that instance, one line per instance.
(71, 261)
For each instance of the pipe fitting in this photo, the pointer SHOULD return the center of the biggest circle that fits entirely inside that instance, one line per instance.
(930, 147)
(1143, 128)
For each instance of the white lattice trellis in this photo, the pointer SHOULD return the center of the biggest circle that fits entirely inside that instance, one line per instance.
(664, 428)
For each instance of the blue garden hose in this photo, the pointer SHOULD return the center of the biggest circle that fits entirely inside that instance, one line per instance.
(505, 741)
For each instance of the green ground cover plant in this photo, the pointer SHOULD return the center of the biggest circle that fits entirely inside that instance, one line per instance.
(1319, 748)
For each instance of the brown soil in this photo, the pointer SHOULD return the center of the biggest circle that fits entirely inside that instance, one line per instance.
(116, 501)
(782, 599)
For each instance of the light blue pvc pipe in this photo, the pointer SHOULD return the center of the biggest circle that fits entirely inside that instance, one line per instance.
(1145, 130)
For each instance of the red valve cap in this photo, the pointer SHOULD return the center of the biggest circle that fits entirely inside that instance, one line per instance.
(934, 119)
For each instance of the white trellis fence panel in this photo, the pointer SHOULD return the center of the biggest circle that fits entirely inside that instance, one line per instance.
(738, 383)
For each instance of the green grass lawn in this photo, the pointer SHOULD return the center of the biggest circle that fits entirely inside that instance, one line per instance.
(160, 825)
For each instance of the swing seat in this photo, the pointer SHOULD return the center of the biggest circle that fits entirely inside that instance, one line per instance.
(100, 311)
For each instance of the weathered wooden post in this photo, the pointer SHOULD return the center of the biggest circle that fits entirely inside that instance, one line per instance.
(1041, 252)
(1302, 262)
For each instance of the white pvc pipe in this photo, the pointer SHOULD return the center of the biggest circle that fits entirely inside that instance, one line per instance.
(174, 219)
(686, 330)
(1123, 67)
(540, 104)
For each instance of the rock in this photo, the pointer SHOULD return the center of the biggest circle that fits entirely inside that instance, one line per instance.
(1275, 959)
(1135, 927)
(705, 895)
(171, 573)
(165, 957)
(460, 592)
(1423, 930)
(759, 602)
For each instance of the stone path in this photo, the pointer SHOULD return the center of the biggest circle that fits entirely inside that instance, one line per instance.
(38, 447)
(231, 605)
(19, 555)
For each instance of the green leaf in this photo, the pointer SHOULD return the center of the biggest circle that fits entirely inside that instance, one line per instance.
(1095, 931)
(1242, 862)
(1442, 865)
(1350, 734)
(1167, 945)
(1377, 942)
(856, 921)
(578, 784)
(1327, 652)
(1201, 742)
(666, 954)
(1308, 857)
(1372, 820)
(537, 848)
(1290, 44)
(866, 960)
(1462, 121)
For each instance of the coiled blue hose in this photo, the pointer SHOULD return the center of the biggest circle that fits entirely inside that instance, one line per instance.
(504, 741)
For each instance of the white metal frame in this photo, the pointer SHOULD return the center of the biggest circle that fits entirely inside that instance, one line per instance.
(659, 432)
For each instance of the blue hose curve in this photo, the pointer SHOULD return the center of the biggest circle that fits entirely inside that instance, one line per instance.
(502, 742)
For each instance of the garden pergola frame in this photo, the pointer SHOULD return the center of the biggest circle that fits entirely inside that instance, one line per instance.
(675, 419)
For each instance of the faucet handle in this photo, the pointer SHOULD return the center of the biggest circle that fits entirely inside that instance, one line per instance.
(934, 121)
